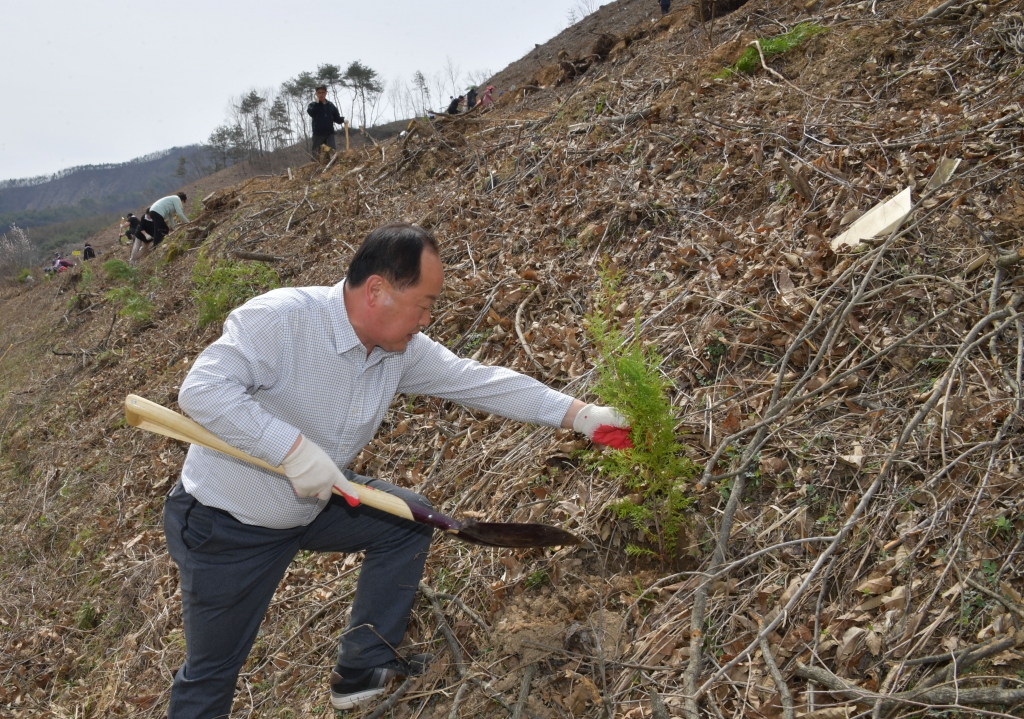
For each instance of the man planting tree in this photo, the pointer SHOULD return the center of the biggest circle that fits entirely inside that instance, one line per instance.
(301, 378)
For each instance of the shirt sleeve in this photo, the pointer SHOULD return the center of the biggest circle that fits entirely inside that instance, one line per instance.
(178, 209)
(435, 370)
(217, 393)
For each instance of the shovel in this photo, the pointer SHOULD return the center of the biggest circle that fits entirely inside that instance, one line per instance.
(140, 412)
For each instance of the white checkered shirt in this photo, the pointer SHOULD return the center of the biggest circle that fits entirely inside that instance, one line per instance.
(289, 362)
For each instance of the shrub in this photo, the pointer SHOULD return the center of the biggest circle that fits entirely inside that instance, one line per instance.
(86, 618)
(24, 274)
(222, 287)
(654, 472)
(131, 303)
(121, 270)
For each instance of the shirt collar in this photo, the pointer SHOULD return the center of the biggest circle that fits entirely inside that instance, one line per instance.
(345, 337)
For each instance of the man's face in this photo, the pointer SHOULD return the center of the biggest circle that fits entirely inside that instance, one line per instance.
(321, 95)
(403, 313)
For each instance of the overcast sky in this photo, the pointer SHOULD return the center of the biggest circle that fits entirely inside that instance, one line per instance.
(88, 83)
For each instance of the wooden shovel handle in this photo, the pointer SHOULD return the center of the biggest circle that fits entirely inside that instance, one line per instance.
(140, 412)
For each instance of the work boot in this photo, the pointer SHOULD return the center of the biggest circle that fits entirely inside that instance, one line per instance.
(353, 687)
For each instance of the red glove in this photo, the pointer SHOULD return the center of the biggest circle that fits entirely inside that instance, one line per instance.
(603, 425)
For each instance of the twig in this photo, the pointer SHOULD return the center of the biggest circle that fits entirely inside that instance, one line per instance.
(395, 696)
(524, 691)
(288, 225)
(658, 709)
(442, 625)
(1011, 606)
(457, 702)
(462, 605)
(257, 256)
(519, 329)
(780, 683)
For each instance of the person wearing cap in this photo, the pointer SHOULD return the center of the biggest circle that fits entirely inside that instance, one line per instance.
(486, 98)
(325, 116)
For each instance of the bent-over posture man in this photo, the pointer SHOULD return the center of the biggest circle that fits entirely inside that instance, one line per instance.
(158, 221)
(302, 377)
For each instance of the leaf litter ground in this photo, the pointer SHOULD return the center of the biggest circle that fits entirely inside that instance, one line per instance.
(856, 531)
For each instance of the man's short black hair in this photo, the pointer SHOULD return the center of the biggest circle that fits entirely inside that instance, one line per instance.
(183, 197)
(320, 87)
(393, 252)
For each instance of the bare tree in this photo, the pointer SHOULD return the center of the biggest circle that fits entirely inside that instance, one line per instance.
(453, 75)
(402, 100)
(478, 77)
(16, 252)
(580, 10)
(419, 83)
(440, 86)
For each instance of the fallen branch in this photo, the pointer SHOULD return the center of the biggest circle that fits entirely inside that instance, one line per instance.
(780, 682)
(524, 691)
(257, 256)
(395, 696)
(945, 695)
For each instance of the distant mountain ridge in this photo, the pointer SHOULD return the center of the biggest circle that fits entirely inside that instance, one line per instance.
(40, 179)
(92, 189)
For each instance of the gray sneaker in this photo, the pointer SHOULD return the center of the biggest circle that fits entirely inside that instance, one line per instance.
(354, 687)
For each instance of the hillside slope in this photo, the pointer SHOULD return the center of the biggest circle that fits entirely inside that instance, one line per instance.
(855, 524)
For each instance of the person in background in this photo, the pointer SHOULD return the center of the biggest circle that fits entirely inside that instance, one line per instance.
(486, 98)
(158, 222)
(325, 116)
(471, 99)
(59, 264)
(453, 107)
(88, 253)
(665, 5)
(132, 223)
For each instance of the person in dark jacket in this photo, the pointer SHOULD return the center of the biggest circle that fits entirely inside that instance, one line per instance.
(471, 99)
(325, 116)
(133, 224)
(453, 108)
(665, 6)
(88, 253)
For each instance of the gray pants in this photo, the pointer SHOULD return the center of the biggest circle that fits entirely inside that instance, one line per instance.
(230, 571)
(319, 140)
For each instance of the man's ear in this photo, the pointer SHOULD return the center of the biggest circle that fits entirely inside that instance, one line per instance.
(373, 290)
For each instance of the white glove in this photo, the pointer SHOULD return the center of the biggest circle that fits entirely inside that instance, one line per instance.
(314, 474)
(604, 425)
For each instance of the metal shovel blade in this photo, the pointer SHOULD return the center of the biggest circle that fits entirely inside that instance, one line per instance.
(502, 534)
